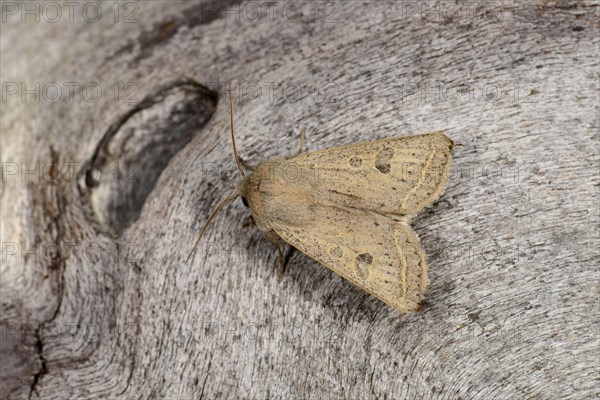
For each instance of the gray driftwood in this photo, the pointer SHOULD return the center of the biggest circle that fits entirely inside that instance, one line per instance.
(103, 196)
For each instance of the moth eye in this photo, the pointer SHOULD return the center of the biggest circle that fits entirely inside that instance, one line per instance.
(245, 202)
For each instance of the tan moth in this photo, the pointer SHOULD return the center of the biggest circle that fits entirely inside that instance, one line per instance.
(350, 207)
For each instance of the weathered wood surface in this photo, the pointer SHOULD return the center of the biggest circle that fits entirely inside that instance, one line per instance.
(97, 301)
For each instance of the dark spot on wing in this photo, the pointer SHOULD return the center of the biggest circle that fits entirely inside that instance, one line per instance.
(383, 160)
(362, 263)
(355, 161)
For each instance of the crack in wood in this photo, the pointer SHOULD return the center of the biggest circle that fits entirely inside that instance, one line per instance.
(57, 266)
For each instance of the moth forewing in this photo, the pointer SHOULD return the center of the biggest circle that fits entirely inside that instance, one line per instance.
(396, 176)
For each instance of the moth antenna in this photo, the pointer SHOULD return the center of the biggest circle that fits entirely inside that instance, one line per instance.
(235, 154)
(214, 213)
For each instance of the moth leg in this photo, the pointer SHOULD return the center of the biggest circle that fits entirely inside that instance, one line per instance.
(246, 165)
(280, 257)
(289, 255)
(301, 149)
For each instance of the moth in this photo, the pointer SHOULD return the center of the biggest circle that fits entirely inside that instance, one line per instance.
(350, 208)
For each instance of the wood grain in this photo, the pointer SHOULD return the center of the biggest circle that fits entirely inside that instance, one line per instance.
(512, 305)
